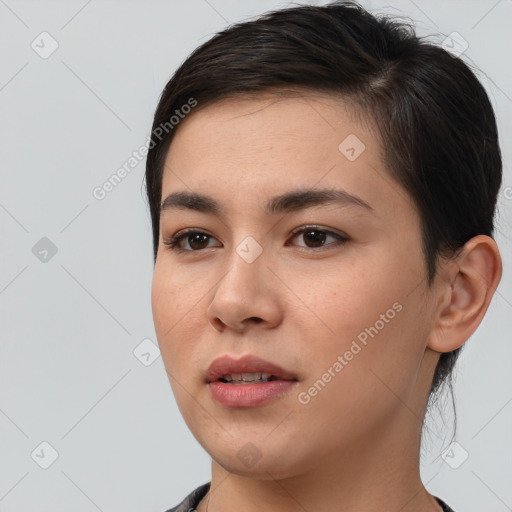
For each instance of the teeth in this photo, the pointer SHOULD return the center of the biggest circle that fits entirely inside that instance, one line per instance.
(247, 377)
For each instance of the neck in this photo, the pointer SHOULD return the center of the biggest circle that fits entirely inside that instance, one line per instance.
(380, 471)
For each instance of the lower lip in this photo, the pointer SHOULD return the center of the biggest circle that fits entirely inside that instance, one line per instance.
(249, 395)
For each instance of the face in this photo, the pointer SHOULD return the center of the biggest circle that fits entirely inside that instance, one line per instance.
(304, 253)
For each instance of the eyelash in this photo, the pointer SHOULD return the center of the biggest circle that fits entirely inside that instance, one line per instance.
(174, 241)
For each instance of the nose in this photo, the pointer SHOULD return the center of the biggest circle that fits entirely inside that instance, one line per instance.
(248, 294)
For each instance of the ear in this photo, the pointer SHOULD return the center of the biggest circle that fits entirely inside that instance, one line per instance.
(465, 289)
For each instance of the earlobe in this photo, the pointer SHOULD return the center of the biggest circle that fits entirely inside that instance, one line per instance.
(470, 281)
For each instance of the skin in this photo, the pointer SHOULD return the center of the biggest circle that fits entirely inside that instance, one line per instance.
(355, 445)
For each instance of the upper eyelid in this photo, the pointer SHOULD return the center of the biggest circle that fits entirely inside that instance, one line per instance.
(317, 227)
(294, 231)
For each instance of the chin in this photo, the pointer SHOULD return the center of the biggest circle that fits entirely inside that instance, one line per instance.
(253, 457)
(269, 469)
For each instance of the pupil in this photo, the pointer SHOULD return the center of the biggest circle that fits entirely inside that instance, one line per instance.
(317, 239)
(196, 238)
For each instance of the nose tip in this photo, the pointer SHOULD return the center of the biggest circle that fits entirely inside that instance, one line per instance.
(243, 297)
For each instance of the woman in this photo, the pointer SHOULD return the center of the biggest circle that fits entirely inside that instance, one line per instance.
(322, 225)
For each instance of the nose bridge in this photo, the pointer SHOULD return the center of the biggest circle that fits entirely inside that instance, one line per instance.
(246, 264)
(243, 292)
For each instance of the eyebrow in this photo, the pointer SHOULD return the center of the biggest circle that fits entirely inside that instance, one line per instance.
(285, 203)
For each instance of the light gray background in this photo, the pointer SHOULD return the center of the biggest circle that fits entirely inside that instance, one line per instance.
(69, 326)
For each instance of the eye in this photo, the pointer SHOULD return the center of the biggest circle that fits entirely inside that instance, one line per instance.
(314, 237)
(195, 239)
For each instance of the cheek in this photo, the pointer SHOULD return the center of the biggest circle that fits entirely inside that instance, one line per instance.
(173, 295)
(365, 376)
(175, 320)
(172, 302)
(346, 297)
(366, 314)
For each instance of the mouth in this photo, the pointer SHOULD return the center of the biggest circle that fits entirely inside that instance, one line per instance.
(247, 382)
(248, 369)
(247, 378)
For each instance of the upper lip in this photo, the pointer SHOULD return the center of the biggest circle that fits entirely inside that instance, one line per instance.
(226, 365)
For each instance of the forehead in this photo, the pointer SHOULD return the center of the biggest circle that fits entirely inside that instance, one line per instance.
(278, 125)
(248, 149)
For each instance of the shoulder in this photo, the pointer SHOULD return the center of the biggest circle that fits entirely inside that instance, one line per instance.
(190, 503)
(444, 506)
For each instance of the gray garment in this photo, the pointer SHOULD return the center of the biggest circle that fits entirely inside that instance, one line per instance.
(190, 503)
